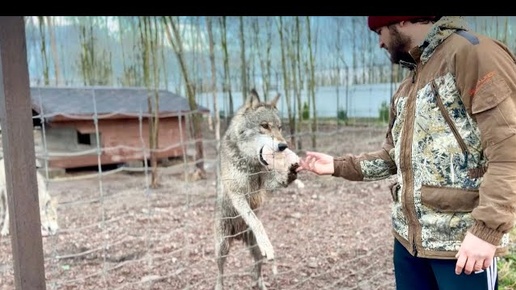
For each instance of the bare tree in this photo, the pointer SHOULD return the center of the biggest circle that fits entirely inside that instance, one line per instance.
(292, 57)
(149, 38)
(198, 42)
(254, 59)
(95, 63)
(162, 40)
(131, 60)
(268, 61)
(46, 69)
(243, 61)
(226, 87)
(367, 52)
(284, 47)
(174, 37)
(311, 81)
(354, 27)
(297, 65)
(53, 48)
(197, 66)
(263, 50)
(209, 28)
(337, 40)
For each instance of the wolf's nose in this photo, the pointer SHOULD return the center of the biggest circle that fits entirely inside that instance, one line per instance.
(282, 146)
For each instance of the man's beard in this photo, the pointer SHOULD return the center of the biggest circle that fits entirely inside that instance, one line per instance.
(398, 46)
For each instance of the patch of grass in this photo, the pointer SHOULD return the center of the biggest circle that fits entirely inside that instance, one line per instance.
(507, 267)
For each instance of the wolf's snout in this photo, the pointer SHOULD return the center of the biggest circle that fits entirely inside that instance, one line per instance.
(282, 146)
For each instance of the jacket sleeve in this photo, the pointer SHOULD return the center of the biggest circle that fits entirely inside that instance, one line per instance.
(486, 75)
(369, 166)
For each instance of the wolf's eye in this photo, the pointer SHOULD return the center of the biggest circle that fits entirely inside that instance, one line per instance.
(265, 126)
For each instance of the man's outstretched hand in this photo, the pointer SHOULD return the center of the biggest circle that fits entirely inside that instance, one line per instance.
(317, 162)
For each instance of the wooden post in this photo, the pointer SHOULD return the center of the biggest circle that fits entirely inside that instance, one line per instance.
(19, 155)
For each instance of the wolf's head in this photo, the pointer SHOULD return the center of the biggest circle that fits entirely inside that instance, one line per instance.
(48, 214)
(255, 125)
(47, 208)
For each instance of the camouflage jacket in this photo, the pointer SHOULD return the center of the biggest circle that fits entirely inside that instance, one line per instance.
(451, 143)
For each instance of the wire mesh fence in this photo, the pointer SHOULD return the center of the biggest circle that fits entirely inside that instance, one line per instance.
(118, 232)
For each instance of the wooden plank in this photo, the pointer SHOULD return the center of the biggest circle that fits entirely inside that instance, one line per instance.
(19, 154)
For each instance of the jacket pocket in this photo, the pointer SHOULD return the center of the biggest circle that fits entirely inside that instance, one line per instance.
(448, 199)
(494, 112)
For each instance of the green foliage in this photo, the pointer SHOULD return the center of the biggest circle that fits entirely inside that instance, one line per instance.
(342, 115)
(306, 111)
(383, 112)
(507, 267)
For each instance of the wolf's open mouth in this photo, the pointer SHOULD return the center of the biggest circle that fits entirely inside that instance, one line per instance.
(262, 161)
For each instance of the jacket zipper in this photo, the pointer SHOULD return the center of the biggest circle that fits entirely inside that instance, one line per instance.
(450, 122)
(409, 206)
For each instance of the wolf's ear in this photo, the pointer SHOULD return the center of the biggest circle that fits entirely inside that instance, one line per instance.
(253, 100)
(275, 100)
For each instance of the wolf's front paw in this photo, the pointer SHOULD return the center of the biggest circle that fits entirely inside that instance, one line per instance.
(292, 172)
(266, 249)
(5, 231)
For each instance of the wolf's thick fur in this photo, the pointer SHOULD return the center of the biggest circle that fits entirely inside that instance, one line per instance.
(47, 205)
(245, 179)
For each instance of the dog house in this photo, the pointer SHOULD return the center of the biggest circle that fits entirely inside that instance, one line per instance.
(81, 126)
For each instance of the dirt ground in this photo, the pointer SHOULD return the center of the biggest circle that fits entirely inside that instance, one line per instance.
(117, 233)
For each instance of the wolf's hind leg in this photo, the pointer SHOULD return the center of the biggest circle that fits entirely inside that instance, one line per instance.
(258, 260)
(221, 250)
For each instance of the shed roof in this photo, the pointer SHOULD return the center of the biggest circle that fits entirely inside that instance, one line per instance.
(107, 102)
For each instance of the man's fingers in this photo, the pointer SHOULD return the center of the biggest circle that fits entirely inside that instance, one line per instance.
(487, 263)
(461, 261)
(302, 165)
(470, 265)
(479, 265)
(307, 162)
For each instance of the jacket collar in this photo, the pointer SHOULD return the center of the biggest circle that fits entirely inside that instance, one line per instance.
(439, 32)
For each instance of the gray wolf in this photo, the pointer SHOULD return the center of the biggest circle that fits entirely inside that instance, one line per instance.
(254, 160)
(47, 205)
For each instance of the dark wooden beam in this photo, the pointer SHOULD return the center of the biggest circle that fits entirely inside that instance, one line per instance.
(19, 155)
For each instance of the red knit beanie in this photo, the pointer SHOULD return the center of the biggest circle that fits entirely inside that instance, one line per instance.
(376, 22)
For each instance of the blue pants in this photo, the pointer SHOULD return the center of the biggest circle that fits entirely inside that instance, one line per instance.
(414, 273)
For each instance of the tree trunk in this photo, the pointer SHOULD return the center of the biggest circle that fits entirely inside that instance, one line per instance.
(174, 37)
(148, 37)
(227, 79)
(285, 73)
(295, 84)
(299, 86)
(243, 62)
(53, 48)
(311, 84)
(46, 69)
(209, 27)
